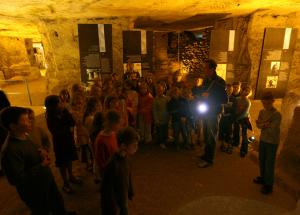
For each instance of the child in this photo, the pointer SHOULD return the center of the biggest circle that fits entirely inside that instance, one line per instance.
(96, 91)
(242, 117)
(61, 126)
(132, 99)
(106, 142)
(161, 116)
(236, 93)
(97, 126)
(118, 105)
(27, 168)
(93, 106)
(82, 139)
(269, 122)
(145, 113)
(176, 107)
(226, 121)
(186, 113)
(117, 187)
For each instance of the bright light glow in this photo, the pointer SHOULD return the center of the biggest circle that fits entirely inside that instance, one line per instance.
(251, 139)
(287, 38)
(144, 42)
(101, 36)
(231, 40)
(202, 108)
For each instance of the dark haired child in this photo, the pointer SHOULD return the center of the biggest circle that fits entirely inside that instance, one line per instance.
(268, 121)
(61, 126)
(117, 186)
(27, 168)
(186, 112)
(177, 110)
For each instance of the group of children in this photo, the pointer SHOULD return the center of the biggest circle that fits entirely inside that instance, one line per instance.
(235, 117)
(106, 124)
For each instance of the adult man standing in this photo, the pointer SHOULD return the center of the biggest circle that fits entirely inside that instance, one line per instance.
(214, 95)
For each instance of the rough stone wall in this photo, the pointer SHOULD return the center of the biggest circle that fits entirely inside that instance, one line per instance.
(13, 55)
(162, 64)
(60, 39)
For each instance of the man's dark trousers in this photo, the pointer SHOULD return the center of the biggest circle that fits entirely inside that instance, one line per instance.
(210, 130)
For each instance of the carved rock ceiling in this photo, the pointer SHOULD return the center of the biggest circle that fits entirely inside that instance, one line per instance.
(18, 17)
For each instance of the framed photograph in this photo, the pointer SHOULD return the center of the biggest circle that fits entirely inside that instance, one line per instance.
(275, 67)
(271, 81)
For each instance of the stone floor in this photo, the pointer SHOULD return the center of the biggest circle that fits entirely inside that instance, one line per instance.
(169, 182)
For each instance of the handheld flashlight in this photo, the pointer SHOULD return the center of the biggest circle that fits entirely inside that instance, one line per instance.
(251, 139)
(202, 108)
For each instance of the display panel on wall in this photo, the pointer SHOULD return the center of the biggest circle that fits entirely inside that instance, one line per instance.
(223, 47)
(138, 50)
(275, 64)
(95, 47)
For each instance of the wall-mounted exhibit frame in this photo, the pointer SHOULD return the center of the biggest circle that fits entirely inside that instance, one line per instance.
(138, 49)
(275, 63)
(223, 45)
(95, 49)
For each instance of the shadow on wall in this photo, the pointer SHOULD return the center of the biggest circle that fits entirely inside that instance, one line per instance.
(289, 103)
(289, 160)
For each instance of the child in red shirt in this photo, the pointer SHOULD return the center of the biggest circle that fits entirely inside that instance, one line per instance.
(106, 143)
